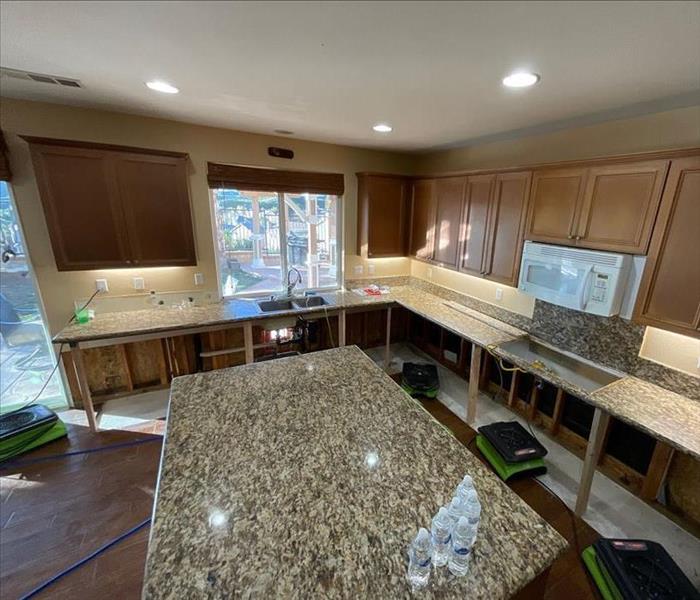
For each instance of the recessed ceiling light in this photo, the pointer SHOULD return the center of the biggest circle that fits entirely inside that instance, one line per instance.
(162, 86)
(383, 128)
(520, 80)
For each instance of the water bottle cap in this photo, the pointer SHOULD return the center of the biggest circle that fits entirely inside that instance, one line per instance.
(468, 481)
(463, 526)
(472, 496)
(457, 502)
(442, 513)
(423, 536)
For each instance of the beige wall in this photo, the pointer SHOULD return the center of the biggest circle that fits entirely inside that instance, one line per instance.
(678, 128)
(59, 290)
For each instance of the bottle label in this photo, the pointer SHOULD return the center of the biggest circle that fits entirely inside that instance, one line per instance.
(462, 551)
(425, 563)
(442, 540)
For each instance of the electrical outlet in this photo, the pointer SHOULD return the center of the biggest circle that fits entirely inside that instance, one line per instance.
(370, 269)
(138, 283)
(358, 270)
(499, 294)
(429, 272)
(101, 285)
(199, 278)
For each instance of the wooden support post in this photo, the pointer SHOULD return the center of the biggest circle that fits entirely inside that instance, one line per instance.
(656, 473)
(593, 449)
(513, 391)
(473, 392)
(387, 346)
(248, 343)
(558, 411)
(341, 328)
(77, 356)
(534, 400)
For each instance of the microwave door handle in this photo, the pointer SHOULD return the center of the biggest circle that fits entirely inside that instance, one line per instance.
(583, 292)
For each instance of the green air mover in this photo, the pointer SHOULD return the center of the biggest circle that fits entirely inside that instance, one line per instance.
(27, 428)
(511, 450)
(420, 379)
(636, 570)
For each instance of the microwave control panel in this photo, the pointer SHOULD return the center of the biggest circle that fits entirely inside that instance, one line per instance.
(599, 293)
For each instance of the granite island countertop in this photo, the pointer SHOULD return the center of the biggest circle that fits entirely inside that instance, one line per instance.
(309, 476)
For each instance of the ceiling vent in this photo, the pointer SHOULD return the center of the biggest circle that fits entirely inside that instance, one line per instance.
(40, 77)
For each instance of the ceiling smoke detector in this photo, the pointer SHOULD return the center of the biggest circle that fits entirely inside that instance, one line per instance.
(41, 77)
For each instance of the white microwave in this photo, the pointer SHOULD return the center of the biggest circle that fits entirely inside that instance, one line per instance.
(585, 280)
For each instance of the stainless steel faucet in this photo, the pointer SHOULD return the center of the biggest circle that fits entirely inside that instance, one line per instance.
(292, 283)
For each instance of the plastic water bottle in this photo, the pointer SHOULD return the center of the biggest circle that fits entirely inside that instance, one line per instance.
(464, 486)
(419, 557)
(472, 509)
(462, 539)
(441, 530)
(456, 509)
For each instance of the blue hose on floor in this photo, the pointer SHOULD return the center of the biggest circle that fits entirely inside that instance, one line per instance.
(84, 560)
(23, 463)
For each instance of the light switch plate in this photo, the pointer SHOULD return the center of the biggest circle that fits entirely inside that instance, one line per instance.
(499, 294)
(101, 285)
(358, 270)
(199, 278)
(138, 283)
(370, 269)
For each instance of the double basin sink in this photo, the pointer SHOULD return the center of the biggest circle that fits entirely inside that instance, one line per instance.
(286, 304)
(568, 367)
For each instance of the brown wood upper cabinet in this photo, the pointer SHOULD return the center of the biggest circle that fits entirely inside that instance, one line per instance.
(493, 220)
(449, 196)
(111, 207)
(608, 207)
(423, 204)
(382, 226)
(669, 293)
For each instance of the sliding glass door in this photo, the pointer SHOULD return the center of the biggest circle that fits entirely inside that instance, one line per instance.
(27, 362)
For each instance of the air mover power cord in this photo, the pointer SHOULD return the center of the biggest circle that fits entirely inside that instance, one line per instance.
(41, 587)
(23, 463)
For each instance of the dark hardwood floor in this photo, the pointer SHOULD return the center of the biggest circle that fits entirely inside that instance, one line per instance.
(54, 512)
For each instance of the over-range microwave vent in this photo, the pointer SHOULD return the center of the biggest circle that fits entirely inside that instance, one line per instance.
(599, 258)
(41, 78)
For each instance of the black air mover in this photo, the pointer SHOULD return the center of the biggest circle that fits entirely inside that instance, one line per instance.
(511, 450)
(27, 428)
(420, 379)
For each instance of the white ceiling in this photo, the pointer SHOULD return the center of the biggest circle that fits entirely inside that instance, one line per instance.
(329, 70)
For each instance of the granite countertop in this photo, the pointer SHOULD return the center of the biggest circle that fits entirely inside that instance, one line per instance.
(162, 320)
(662, 413)
(670, 417)
(309, 476)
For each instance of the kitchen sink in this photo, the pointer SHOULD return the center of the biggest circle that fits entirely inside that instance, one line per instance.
(284, 304)
(276, 305)
(565, 365)
(309, 301)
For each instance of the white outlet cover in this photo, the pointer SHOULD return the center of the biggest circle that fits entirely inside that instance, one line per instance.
(199, 278)
(358, 270)
(499, 293)
(101, 285)
(370, 269)
(138, 283)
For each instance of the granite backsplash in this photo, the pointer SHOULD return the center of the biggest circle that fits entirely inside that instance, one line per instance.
(610, 341)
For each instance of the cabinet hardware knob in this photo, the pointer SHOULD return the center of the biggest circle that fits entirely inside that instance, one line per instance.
(571, 237)
(578, 237)
(128, 262)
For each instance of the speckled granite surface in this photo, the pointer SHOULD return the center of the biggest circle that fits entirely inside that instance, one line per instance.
(308, 477)
(665, 415)
(111, 325)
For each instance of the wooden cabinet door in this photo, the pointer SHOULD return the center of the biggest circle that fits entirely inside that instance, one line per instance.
(475, 213)
(449, 194)
(82, 207)
(669, 293)
(620, 205)
(506, 227)
(554, 205)
(382, 211)
(154, 193)
(423, 219)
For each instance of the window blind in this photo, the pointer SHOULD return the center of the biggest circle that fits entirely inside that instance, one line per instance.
(274, 180)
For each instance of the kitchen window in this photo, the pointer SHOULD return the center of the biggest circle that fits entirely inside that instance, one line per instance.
(261, 233)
